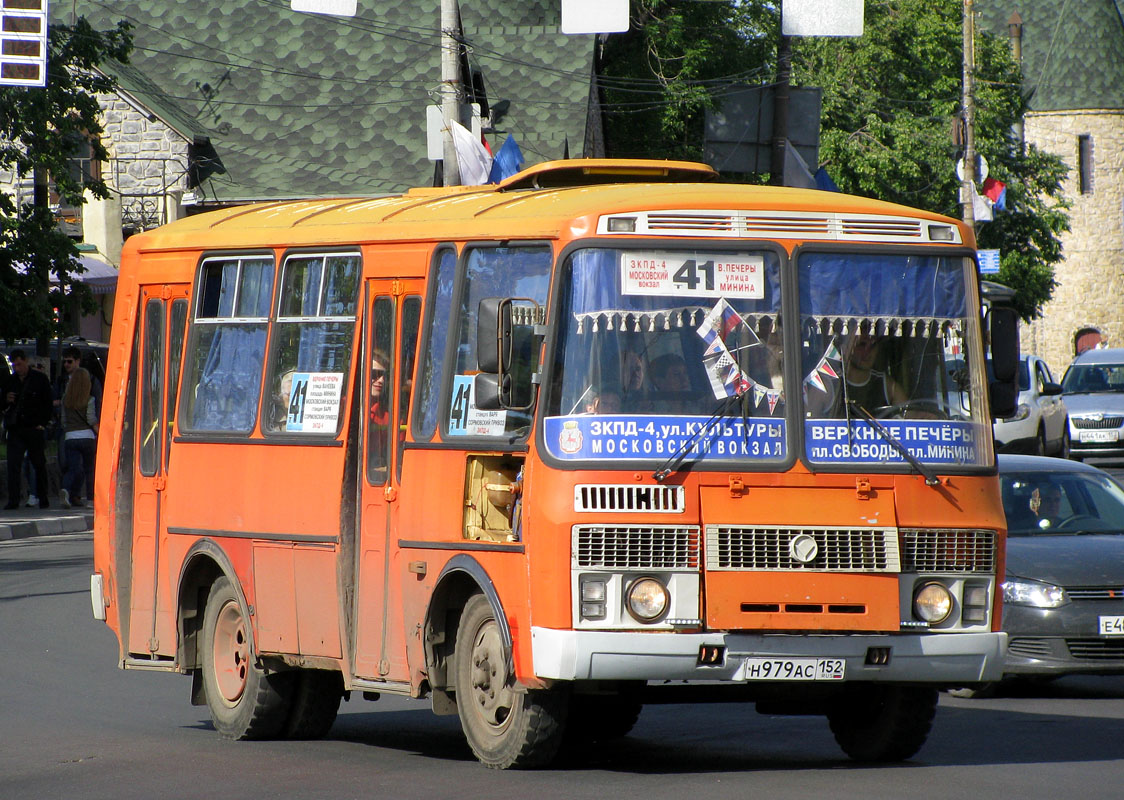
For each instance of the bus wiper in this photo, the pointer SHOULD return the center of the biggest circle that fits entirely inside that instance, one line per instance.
(674, 461)
(931, 478)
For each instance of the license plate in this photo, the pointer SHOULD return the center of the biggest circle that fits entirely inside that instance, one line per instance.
(1099, 436)
(1110, 626)
(794, 669)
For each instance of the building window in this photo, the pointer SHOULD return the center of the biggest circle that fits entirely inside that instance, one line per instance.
(1085, 163)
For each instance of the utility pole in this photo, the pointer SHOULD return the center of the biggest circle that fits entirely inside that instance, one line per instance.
(780, 111)
(968, 178)
(450, 87)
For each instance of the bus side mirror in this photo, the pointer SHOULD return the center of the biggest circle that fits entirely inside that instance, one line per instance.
(1004, 333)
(493, 334)
(506, 352)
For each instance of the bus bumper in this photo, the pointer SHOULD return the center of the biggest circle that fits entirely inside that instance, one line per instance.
(943, 658)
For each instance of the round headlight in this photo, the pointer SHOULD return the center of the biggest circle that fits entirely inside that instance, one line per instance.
(648, 599)
(932, 603)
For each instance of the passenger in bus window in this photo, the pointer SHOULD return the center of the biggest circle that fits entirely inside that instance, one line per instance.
(281, 399)
(604, 401)
(378, 414)
(673, 392)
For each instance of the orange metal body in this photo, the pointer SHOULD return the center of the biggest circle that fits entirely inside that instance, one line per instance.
(273, 510)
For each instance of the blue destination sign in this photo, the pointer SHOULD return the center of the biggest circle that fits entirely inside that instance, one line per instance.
(835, 441)
(646, 437)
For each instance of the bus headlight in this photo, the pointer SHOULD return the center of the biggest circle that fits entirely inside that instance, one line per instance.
(932, 603)
(647, 599)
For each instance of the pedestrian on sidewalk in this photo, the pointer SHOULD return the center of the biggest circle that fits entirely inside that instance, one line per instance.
(27, 413)
(80, 422)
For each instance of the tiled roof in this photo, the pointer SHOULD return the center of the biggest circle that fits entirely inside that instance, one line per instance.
(301, 105)
(1073, 50)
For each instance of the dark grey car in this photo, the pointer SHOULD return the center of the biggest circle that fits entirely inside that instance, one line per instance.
(1063, 597)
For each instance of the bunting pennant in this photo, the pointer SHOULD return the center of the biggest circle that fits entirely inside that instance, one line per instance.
(774, 398)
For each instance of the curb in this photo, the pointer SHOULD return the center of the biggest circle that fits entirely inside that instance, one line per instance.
(27, 526)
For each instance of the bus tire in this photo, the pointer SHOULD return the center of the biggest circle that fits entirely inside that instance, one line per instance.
(244, 701)
(315, 703)
(504, 725)
(883, 723)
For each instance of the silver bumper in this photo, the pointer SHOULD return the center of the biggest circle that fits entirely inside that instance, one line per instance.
(914, 657)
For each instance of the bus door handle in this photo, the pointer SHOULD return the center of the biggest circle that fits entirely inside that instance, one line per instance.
(160, 482)
(390, 493)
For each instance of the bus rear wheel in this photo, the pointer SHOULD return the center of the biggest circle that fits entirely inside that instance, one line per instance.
(504, 725)
(883, 723)
(245, 702)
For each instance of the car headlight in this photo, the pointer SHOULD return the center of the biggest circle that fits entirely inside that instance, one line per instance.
(647, 599)
(1036, 594)
(932, 603)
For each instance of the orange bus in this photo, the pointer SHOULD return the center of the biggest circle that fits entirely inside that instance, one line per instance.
(605, 434)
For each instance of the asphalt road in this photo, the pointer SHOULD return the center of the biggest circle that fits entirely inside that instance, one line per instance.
(74, 726)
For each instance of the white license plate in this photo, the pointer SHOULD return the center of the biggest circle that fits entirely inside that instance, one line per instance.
(1110, 626)
(794, 669)
(1099, 436)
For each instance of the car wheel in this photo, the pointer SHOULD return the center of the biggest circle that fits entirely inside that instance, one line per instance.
(1040, 442)
(1063, 450)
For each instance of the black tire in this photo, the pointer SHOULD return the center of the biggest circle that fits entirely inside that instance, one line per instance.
(1040, 442)
(602, 718)
(1063, 448)
(883, 723)
(315, 703)
(245, 702)
(505, 726)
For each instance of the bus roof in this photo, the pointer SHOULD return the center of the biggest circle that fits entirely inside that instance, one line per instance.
(541, 202)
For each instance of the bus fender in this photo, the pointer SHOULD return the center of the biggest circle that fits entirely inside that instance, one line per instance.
(203, 563)
(461, 576)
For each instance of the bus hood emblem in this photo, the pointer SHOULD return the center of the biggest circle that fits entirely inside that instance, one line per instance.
(803, 548)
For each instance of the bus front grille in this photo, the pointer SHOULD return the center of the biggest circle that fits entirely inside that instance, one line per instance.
(812, 549)
(948, 550)
(636, 546)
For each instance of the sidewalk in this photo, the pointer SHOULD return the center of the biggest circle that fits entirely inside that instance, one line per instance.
(22, 523)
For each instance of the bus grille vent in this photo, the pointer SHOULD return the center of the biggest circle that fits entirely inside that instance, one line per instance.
(611, 497)
(793, 225)
(636, 547)
(767, 549)
(948, 550)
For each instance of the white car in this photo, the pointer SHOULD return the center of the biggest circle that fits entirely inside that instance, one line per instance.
(1040, 424)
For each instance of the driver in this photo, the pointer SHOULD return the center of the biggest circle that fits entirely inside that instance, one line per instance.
(865, 385)
(1046, 504)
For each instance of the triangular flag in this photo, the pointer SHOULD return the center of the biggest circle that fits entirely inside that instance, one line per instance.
(816, 381)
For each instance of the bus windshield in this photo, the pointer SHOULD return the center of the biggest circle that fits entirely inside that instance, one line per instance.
(879, 333)
(653, 343)
(662, 349)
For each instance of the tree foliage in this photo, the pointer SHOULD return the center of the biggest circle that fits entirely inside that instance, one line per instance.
(40, 130)
(891, 106)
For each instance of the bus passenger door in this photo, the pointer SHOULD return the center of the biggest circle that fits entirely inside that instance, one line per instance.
(393, 313)
(162, 322)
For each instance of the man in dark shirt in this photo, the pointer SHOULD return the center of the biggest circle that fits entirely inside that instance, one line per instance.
(27, 412)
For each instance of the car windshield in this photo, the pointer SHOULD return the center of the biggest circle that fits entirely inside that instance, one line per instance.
(1093, 378)
(1061, 502)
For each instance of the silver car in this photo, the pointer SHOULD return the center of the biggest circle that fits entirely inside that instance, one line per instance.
(1093, 388)
(1039, 425)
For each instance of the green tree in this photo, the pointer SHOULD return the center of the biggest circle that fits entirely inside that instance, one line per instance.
(40, 130)
(678, 59)
(891, 102)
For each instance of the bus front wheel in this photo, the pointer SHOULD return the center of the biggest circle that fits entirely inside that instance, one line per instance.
(504, 725)
(882, 722)
(244, 701)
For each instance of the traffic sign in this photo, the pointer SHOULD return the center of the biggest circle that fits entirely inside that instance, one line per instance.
(989, 262)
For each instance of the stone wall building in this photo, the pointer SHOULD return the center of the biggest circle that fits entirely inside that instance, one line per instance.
(1073, 67)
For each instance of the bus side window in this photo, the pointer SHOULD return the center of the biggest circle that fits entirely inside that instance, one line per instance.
(175, 351)
(311, 343)
(408, 350)
(433, 356)
(224, 363)
(381, 390)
